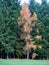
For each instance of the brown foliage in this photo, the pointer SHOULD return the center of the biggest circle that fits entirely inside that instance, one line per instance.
(40, 46)
(38, 37)
(26, 22)
(34, 55)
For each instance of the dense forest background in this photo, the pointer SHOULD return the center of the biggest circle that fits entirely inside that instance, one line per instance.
(11, 45)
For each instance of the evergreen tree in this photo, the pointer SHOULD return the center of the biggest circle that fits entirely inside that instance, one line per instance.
(9, 12)
(43, 14)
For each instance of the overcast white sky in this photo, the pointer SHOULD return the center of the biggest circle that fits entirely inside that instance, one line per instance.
(22, 1)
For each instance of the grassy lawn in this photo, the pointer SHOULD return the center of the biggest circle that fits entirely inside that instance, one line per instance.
(24, 62)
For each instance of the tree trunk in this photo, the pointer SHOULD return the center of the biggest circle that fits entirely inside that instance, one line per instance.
(43, 58)
(7, 55)
(40, 58)
(1, 53)
(13, 56)
(10, 55)
(18, 56)
(27, 54)
(27, 51)
(47, 58)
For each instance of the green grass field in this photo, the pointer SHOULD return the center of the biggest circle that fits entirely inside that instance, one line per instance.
(24, 62)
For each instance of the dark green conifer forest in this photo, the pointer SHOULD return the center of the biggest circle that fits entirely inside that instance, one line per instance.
(11, 45)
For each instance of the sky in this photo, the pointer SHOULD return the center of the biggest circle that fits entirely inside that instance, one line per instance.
(22, 1)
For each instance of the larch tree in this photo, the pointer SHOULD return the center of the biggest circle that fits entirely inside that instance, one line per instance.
(26, 22)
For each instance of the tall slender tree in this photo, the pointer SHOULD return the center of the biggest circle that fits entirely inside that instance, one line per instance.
(26, 26)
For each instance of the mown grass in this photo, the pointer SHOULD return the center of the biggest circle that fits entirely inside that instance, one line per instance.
(24, 62)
